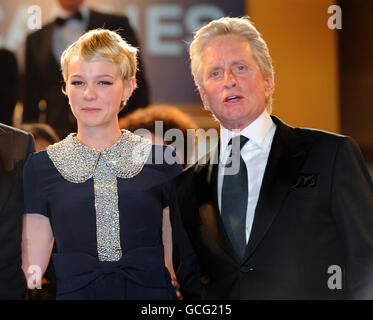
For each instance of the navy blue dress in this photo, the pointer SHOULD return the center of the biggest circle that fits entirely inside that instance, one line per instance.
(140, 273)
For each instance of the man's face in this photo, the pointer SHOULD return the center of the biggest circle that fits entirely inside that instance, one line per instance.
(70, 5)
(234, 89)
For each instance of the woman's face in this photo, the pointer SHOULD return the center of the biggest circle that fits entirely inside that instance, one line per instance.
(95, 90)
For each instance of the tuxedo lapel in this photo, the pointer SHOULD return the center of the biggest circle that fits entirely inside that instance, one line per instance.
(288, 153)
(209, 208)
(46, 47)
(7, 172)
(91, 21)
(6, 151)
(96, 20)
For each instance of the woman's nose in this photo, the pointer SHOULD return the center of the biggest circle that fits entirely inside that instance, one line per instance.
(89, 92)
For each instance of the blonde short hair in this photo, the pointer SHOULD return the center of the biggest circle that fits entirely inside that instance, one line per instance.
(224, 26)
(102, 44)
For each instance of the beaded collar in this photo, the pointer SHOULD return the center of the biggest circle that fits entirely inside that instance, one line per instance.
(77, 162)
(124, 159)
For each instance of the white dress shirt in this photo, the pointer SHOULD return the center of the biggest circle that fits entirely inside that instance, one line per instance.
(255, 154)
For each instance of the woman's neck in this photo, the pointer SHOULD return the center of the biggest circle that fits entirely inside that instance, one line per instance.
(99, 139)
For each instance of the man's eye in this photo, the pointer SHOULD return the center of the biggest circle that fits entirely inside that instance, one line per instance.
(215, 74)
(241, 68)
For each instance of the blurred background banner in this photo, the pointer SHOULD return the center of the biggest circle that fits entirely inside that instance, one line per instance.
(323, 75)
(163, 27)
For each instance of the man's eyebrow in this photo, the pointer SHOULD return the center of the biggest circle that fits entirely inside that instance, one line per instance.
(214, 68)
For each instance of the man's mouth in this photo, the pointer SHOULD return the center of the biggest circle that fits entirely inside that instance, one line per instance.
(233, 98)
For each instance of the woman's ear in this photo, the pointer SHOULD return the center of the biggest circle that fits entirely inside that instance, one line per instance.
(129, 87)
(63, 88)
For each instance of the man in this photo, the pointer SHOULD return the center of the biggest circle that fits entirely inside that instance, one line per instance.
(294, 219)
(15, 145)
(43, 80)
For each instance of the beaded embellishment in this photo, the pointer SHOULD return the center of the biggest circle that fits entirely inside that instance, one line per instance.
(77, 163)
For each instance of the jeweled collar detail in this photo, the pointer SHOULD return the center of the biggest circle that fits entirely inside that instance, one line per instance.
(77, 162)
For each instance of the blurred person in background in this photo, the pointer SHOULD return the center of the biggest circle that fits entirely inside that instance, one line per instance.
(8, 86)
(171, 118)
(43, 133)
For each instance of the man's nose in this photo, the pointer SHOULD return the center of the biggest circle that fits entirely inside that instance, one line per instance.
(229, 79)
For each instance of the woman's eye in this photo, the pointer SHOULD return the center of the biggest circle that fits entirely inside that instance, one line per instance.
(76, 83)
(105, 83)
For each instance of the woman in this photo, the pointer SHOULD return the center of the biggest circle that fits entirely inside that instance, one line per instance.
(99, 192)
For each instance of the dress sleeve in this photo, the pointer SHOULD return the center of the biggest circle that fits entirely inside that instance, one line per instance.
(173, 170)
(35, 201)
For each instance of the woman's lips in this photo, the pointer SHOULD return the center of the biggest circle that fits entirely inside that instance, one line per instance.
(90, 109)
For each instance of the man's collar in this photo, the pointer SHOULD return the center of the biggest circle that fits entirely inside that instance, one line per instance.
(255, 131)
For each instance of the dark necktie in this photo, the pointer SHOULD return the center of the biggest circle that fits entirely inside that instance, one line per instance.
(77, 15)
(234, 198)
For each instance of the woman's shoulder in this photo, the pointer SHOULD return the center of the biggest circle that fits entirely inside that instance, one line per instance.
(37, 161)
(38, 157)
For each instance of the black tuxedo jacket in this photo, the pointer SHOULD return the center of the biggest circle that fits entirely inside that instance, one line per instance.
(312, 235)
(15, 145)
(43, 79)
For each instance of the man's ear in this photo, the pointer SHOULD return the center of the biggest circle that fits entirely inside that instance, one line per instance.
(204, 99)
(269, 86)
